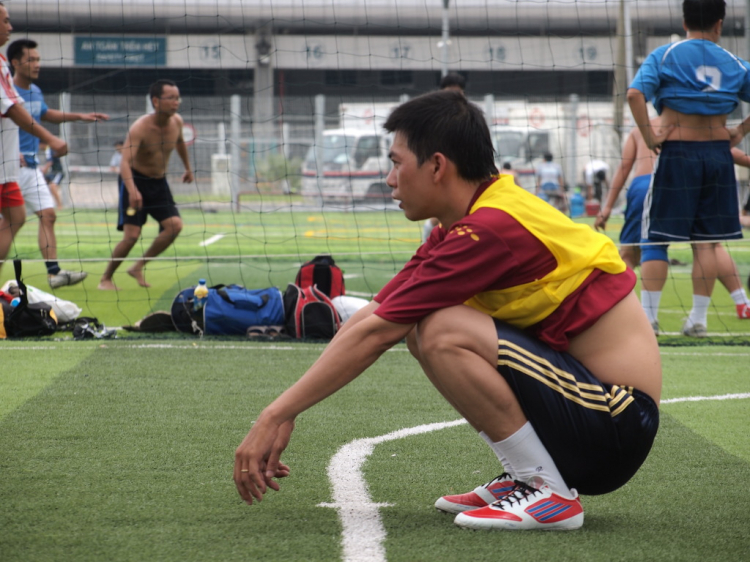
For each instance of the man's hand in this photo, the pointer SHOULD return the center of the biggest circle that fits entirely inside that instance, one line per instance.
(655, 140)
(59, 147)
(601, 220)
(736, 134)
(91, 117)
(187, 177)
(257, 459)
(135, 199)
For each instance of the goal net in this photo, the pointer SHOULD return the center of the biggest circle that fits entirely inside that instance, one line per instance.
(283, 104)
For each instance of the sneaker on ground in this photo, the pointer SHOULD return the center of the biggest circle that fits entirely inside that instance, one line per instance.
(655, 327)
(526, 509)
(481, 497)
(694, 330)
(743, 312)
(65, 277)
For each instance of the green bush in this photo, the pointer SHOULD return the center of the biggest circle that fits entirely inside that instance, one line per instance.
(277, 168)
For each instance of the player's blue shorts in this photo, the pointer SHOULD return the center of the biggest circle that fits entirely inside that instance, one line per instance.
(631, 229)
(693, 195)
(598, 434)
(548, 190)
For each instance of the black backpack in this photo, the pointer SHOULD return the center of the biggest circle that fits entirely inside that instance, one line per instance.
(27, 320)
(309, 313)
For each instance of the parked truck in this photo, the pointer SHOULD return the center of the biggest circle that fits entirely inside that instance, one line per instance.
(350, 164)
(574, 133)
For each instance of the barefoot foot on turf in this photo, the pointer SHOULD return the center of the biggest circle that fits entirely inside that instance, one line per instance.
(137, 274)
(107, 285)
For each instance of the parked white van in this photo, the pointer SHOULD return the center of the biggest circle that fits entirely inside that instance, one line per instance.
(353, 167)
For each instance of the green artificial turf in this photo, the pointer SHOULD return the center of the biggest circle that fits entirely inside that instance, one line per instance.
(265, 246)
(123, 450)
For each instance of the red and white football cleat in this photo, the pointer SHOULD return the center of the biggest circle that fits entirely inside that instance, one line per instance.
(743, 312)
(526, 509)
(481, 497)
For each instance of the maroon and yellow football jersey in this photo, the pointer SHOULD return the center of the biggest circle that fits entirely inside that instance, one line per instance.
(517, 259)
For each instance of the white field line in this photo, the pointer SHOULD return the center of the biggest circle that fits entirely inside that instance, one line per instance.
(363, 532)
(197, 344)
(704, 398)
(211, 240)
(692, 353)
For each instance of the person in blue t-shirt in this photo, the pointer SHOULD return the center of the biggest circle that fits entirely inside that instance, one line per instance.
(24, 58)
(694, 85)
(550, 183)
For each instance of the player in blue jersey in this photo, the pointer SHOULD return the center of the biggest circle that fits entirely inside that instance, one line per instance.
(693, 84)
(24, 58)
(639, 159)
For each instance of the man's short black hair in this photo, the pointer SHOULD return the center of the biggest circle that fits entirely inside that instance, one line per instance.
(548, 157)
(702, 15)
(453, 79)
(446, 122)
(15, 49)
(157, 88)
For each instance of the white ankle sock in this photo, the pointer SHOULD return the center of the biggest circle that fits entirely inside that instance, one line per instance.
(503, 461)
(739, 297)
(650, 301)
(528, 457)
(699, 313)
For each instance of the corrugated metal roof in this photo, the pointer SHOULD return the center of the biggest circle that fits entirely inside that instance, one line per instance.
(362, 16)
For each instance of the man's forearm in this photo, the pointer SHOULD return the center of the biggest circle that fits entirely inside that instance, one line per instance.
(126, 173)
(26, 122)
(56, 117)
(618, 182)
(637, 103)
(184, 156)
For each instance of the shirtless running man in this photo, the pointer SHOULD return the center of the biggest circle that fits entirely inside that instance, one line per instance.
(143, 184)
(639, 158)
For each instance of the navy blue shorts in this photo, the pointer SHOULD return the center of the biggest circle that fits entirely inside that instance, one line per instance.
(599, 435)
(157, 201)
(693, 195)
(631, 228)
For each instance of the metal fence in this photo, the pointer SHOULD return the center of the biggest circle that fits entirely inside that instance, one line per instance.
(230, 153)
(225, 141)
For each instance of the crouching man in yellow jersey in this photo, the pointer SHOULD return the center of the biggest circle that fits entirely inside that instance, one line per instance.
(526, 323)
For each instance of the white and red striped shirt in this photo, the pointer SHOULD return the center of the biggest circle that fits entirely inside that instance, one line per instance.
(9, 149)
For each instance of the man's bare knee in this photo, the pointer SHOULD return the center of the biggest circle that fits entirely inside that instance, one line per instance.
(172, 227)
(129, 241)
(454, 330)
(48, 216)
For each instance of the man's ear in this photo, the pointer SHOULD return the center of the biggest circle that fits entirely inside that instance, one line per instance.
(439, 164)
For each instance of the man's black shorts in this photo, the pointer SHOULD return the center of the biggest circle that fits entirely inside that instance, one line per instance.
(157, 201)
(597, 434)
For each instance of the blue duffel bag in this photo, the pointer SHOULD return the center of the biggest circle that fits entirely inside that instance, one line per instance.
(228, 311)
